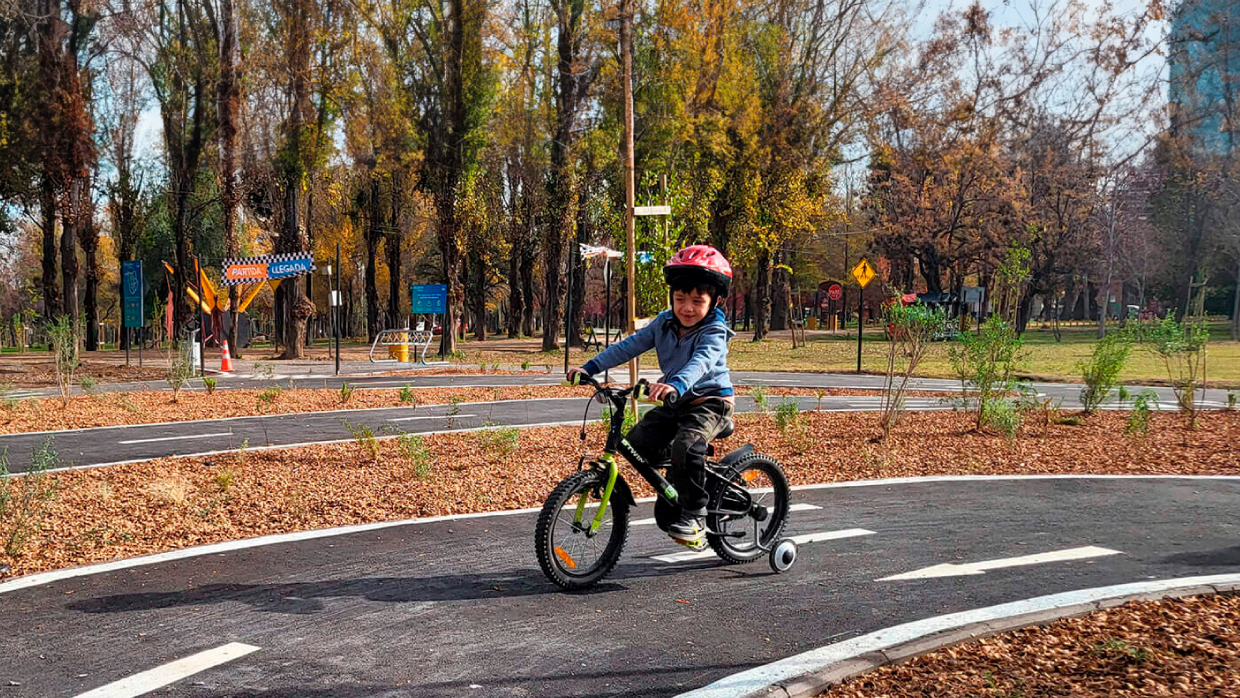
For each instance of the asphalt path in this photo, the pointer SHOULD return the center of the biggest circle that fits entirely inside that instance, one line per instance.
(110, 445)
(1068, 392)
(459, 608)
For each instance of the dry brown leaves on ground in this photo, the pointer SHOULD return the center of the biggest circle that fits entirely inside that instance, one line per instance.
(1174, 647)
(125, 510)
(153, 406)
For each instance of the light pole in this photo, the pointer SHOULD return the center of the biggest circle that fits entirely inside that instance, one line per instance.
(626, 58)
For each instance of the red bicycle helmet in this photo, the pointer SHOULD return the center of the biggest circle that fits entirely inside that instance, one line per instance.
(697, 265)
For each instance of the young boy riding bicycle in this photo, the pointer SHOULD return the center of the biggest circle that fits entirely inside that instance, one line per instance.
(691, 341)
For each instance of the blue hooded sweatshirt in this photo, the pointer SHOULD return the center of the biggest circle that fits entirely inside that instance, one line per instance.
(695, 364)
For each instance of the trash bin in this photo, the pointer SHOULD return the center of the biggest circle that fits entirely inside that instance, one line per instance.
(400, 350)
(811, 323)
(194, 351)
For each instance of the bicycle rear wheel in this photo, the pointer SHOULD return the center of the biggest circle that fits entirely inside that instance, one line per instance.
(748, 512)
(569, 555)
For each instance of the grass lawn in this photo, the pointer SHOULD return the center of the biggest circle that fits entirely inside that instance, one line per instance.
(1045, 358)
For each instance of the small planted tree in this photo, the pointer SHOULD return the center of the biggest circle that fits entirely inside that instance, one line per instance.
(1182, 346)
(912, 330)
(986, 364)
(63, 340)
(1101, 372)
(180, 369)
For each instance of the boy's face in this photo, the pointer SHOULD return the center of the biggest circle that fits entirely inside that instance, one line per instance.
(690, 306)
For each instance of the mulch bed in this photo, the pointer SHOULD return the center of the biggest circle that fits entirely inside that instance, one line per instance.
(120, 511)
(153, 406)
(1173, 647)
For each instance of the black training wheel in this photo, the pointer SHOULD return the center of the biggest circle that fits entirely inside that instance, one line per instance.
(783, 555)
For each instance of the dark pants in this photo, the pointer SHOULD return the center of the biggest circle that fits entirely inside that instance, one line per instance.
(686, 429)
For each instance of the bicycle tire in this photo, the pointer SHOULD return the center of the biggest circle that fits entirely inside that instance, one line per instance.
(723, 545)
(544, 545)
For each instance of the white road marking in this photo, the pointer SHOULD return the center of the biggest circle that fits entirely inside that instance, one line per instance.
(812, 665)
(431, 416)
(950, 570)
(169, 673)
(793, 507)
(799, 540)
(176, 438)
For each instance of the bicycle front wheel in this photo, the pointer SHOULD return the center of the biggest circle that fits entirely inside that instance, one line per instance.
(570, 555)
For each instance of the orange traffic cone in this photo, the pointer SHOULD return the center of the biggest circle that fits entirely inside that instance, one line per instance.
(225, 360)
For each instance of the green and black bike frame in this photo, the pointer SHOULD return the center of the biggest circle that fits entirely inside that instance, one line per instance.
(614, 484)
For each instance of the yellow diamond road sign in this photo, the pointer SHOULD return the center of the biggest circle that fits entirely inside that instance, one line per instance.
(863, 273)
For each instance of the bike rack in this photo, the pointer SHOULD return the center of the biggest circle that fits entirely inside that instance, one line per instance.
(419, 339)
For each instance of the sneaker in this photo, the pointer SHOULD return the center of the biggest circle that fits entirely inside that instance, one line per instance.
(688, 529)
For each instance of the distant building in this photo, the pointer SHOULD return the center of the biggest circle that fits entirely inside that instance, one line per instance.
(1204, 65)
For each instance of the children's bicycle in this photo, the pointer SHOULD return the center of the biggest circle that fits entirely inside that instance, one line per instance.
(584, 523)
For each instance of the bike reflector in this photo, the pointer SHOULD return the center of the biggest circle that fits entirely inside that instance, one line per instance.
(568, 559)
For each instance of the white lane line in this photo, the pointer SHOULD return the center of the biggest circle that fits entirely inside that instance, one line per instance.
(799, 540)
(175, 438)
(809, 670)
(169, 673)
(950, 570)
(430, 416)
(794, 507)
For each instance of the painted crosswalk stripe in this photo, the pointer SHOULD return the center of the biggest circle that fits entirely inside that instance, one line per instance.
(169, 673)
(799, 540)
(794, 507)
(175, 438)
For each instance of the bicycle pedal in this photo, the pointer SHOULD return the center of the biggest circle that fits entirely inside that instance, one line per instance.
(699, 544)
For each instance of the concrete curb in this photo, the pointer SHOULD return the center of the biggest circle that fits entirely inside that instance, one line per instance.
(809, 673)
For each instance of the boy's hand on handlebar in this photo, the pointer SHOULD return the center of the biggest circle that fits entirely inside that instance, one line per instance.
(576, 376)
(661, 392)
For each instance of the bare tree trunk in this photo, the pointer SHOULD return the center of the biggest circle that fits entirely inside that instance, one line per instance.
(297, 308)
(1235, 304)
(90, 246)
(227, 108)
(516, 308)
(51, 290)
(70, 220)
(527, 288)
(762, 303)
(372, 250)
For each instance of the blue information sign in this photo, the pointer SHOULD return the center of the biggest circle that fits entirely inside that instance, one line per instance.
(428, 298)
(131, 293)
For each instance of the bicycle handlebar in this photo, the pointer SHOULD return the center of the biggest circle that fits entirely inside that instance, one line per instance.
(642, 389)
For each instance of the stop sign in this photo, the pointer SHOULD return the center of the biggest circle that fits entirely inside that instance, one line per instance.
(835, 292)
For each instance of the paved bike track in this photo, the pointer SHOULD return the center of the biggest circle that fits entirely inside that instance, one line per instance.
(459, 608)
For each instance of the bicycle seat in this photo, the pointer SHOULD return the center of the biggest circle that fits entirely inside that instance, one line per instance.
(727, 430)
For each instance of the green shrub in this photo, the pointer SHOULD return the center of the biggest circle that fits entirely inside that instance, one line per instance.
(24, 511)
(416, 454)
(1182, 347)
(1001, 415)
(786, 413)
(1139, 420)
(89, 385)
(346, 392)
(365, 438)
(63, 340)
(986, 364)
(525, 365)
(501, 440)
(224, 479)
(1101, 371)
(408, 397)
(210, 384)
(758, 393)
(180, 369)
(268, 396)
(1231, 400)
(629, 420)
(913, 328)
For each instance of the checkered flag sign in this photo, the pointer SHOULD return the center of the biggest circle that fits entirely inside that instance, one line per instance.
(266, 267)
